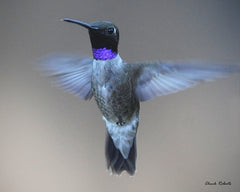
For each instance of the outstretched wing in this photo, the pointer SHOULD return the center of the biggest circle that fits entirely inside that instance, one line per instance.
(72, 74)
(163, 78)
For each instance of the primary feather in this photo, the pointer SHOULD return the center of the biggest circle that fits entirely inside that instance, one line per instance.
(70, 73)
(163, 78)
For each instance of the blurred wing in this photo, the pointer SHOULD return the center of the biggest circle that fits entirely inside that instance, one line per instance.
(163, 78)
(72, 74)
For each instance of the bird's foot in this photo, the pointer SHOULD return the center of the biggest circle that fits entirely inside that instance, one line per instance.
(120, 123)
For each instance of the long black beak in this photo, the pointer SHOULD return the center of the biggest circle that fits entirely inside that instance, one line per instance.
(86, 25)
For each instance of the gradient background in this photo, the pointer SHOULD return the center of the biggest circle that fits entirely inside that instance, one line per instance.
(52, 141)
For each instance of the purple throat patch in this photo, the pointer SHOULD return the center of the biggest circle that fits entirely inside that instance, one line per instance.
(103, 54)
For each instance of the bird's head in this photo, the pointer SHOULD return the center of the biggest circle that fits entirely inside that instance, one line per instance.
(104, 36)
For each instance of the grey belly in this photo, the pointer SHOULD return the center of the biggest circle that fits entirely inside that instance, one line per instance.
(116, 104)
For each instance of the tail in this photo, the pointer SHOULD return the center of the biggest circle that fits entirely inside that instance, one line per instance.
(116, 162)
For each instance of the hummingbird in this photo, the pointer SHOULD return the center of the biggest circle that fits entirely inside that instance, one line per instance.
(118, 87)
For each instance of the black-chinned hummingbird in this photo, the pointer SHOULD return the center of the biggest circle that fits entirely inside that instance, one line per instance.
(119, 87)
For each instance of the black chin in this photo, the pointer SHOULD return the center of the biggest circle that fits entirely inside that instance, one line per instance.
(101, 41)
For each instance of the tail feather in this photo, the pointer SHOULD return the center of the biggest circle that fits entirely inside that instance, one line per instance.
(116, 162)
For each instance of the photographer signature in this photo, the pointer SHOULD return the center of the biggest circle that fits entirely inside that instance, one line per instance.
(218, 183)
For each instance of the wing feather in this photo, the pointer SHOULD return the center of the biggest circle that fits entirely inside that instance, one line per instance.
(71, 73)
(163, 78)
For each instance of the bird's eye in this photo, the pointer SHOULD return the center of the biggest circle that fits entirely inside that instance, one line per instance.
(110, 30)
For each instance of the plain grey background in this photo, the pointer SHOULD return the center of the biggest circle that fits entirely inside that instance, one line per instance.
(52, 141)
